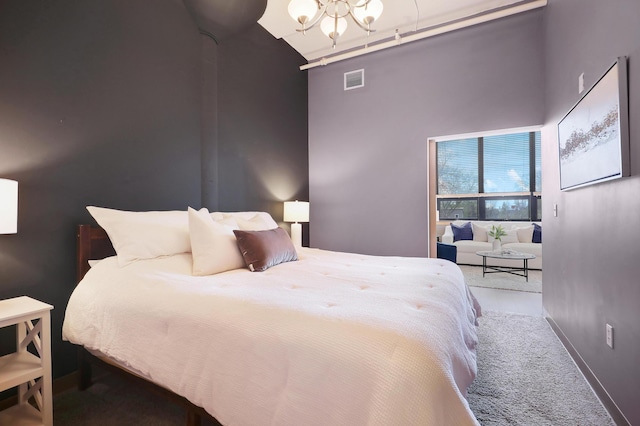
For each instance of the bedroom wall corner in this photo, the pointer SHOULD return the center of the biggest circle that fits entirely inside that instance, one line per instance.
(263, 154)
(210, 123)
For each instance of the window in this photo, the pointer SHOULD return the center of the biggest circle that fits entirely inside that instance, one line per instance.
(458, 167)
(490, 178)
(507, 209)
(506, 163)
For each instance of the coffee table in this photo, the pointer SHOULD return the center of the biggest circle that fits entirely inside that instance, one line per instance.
(490, 269)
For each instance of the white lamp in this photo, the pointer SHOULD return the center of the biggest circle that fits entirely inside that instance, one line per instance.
(8, 206)
(296, 211)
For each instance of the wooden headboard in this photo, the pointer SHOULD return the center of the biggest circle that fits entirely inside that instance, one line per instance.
(92, 243)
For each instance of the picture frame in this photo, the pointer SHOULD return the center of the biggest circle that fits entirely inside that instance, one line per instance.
(593, 137)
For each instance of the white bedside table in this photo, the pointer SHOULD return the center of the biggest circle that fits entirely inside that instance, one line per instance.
(31, 374)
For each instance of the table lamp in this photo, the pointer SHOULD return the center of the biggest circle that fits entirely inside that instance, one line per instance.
(296, 211)
(8, 206)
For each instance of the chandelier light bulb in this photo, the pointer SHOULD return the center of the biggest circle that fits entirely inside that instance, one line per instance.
(332, 27)
(303, 10)
(368, 12)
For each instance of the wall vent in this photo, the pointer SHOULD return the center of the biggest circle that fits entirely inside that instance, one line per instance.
(353, 79)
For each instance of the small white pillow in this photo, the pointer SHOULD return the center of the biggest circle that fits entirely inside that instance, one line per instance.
(479, 232)
(254, 224)
(248, 221)
(213, 245)
(144, 235)
(525, 234)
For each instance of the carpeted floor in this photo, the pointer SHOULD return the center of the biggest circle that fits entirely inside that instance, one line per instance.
(474, 278)
(112, 401)
(525, 378)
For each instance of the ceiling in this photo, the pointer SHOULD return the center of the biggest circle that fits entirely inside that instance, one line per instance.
(405, 16)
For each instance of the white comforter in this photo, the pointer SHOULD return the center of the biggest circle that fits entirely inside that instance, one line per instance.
(332, 339)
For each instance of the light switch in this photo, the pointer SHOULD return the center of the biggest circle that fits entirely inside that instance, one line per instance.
(581, 83)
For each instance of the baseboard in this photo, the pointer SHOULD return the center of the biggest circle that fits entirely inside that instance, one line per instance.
(593, 381)
(59, 385)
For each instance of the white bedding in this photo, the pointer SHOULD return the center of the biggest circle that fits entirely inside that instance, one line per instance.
(332, 339)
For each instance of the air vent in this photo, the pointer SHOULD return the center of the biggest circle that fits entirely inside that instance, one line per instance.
(353, 79)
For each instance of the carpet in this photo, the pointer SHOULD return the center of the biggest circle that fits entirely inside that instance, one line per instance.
(526, 377)
(473, 277)
(111, 401)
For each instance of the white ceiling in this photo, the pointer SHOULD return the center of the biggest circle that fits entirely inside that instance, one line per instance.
(406, 16)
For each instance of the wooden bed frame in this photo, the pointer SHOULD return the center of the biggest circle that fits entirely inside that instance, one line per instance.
(93, 243)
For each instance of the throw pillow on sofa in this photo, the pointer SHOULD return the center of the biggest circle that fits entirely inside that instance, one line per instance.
(480, 233)
(462, 232)
(525, 234)
(537, 233)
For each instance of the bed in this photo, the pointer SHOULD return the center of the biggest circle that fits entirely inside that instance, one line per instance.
(328, 339)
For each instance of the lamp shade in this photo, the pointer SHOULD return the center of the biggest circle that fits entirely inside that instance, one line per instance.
(296, 211)
(8, 206)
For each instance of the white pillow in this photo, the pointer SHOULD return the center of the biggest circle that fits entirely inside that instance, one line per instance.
(248, 221)
(144, 235)
(479, 232)
(525, 234)
(213, 245)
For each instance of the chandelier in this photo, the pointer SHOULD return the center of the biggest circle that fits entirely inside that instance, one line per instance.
(332, 13)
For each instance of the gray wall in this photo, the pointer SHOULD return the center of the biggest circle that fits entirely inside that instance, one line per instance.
(112, 103)
(99, 104)
(263, 151)
(592, 248)
(368, 147)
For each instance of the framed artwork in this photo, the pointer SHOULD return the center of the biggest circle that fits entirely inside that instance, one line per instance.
(594, 135)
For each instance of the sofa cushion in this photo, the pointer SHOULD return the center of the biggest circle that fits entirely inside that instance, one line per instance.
(525, 234)
(470, 246)
(537, 234)
(462, 232)
(479, 232)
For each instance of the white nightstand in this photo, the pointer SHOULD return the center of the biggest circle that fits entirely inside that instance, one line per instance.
(29, 373)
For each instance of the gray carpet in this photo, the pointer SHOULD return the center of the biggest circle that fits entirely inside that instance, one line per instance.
(113, 401)
(473, 277)
(525, 378)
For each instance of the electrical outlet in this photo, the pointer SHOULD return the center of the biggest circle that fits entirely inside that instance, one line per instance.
(610, 336)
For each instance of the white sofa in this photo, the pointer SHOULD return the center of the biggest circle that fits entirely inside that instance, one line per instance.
(519, 238)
